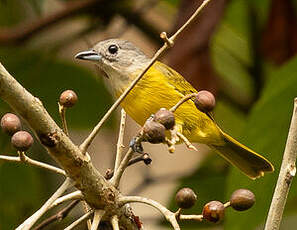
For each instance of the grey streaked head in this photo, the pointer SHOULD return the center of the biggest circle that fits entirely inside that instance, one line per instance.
(115, 57)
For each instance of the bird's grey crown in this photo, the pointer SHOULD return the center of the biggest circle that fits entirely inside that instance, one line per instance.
(122, 44)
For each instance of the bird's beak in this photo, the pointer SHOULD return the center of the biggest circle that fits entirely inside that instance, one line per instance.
(89, 55)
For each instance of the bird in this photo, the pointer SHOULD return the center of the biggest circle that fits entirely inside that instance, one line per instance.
(120, 61)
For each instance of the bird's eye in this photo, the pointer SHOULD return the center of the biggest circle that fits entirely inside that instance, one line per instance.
(113, 49)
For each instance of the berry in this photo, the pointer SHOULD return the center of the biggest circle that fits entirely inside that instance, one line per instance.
(10, 123)
(242, 199)
(214, 211)
(68, 98)
(185, 198)
(205, 101)
(153, 132)
(165, 117)
(22, 140)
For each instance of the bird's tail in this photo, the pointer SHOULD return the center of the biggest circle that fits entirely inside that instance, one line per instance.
(248, 161)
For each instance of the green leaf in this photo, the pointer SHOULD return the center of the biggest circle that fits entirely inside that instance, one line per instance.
(266, 133)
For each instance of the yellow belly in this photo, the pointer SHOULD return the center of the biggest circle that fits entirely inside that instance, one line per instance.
(155, 91)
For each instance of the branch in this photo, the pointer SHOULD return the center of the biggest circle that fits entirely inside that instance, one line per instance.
(58, 216)
(115, 180)
(115, 223)
(170, 216)
(31, 220)
(24, 31)
(144, 157)
(97, 218)
(81, 219)
(286, 174)
(35, 163)
(168, 42)
(120, 145)
(77, 195)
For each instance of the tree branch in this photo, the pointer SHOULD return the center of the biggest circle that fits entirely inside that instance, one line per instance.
(77, 195)
(97, 218)
(120, 146)
(77, 165)
(32, 162)
(286, 174)
(25, 30)
(58, 216)
(170, 216)
(81, 219)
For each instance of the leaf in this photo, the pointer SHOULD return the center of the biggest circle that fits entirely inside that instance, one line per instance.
(266, 133)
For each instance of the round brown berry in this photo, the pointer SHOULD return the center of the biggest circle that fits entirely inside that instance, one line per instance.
(10, 123)
(242, 199)
(68, 98)
(165, 117)
(153, 132)
(214, 211)
(22, 140)
(205, 101)
(185, 198)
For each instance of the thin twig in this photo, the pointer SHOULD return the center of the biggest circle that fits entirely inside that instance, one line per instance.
(97, 218)
(84, 146)
(170, 216)
(227, 204)
(120, 145)
(78, 221)
(77, 195)
(183, 100)
(144, 157)
(58, 216)
(286, 174)
(115, 180)
(86, 208)
(27, 224)
(115, 222)
(35, 163)
(191, 217)
(62, 112)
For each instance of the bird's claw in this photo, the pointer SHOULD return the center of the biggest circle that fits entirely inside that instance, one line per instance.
(186, 141)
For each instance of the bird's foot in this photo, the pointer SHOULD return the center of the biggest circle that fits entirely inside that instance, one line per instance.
(174, 139)
(186, 141)
(170, 144)
(136, 145)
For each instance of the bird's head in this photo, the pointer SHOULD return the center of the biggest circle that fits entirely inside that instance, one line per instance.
(118, 59)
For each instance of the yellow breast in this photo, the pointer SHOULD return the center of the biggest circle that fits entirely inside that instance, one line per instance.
(162, 87)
